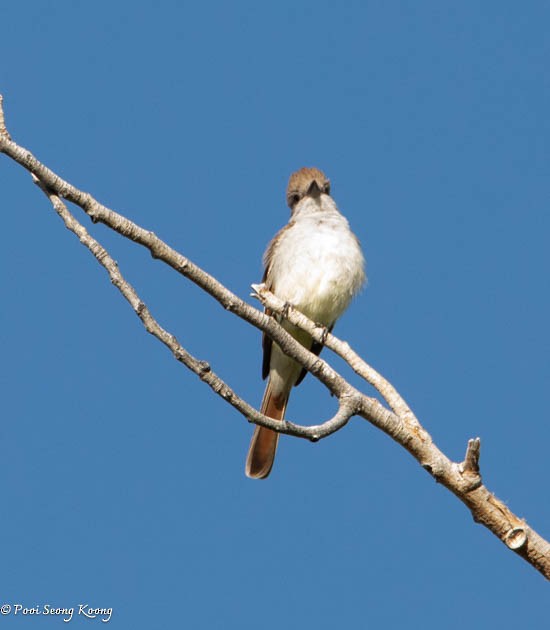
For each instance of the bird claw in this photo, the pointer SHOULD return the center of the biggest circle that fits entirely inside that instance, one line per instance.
(324, 333)
(285, 310)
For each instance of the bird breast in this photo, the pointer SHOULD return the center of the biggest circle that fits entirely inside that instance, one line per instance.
(318, 266)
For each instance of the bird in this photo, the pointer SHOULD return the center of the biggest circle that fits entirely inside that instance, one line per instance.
(314, 263)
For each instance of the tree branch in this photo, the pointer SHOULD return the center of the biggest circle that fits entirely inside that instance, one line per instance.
(341, 348)
(201, 368)
(463, 479)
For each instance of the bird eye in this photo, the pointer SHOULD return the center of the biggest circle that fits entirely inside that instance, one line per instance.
(326, 188)
(293, 199)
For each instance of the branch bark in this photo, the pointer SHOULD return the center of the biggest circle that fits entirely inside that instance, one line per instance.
(398, 421)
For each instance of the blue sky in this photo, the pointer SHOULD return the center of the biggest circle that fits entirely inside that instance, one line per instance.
(122, 476)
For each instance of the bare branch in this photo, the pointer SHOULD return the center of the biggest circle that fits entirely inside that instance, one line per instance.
(372, 409)
(341, 348)
(202, 369)
(463, 479)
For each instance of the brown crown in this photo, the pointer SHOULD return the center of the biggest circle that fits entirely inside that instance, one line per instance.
(300, 183)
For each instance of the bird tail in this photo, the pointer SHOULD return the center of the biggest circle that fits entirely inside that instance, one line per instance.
(263, 445)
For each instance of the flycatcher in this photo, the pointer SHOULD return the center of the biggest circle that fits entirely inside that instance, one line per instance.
(314, 263)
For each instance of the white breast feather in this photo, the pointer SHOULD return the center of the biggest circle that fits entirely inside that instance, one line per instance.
(318, 266)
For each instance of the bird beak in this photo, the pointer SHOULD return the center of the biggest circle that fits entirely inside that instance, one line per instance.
(314, 189)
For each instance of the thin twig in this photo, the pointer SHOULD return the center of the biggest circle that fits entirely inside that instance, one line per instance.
(470, 465)
(3, 130)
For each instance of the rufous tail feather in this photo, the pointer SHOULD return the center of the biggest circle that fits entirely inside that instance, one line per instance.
(263, 445)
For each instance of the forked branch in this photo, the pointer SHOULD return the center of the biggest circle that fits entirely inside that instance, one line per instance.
(398, 421)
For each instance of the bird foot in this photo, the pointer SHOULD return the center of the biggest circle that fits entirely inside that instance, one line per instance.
(324, 333)
(285, 310)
